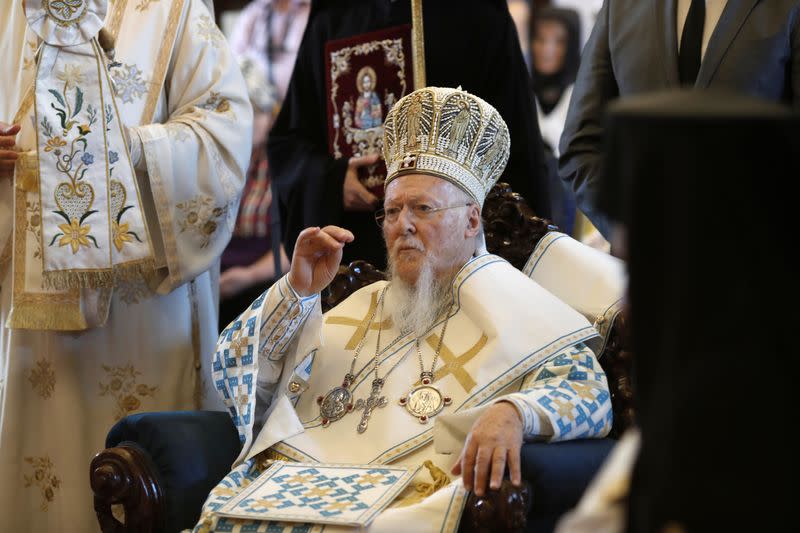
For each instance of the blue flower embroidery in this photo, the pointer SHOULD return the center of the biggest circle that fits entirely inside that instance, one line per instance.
(87, 159)
(113, 157)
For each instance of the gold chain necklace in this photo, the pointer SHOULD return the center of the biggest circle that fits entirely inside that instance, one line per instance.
(425, 400)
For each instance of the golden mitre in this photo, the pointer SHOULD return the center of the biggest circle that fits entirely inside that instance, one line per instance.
(447, 133)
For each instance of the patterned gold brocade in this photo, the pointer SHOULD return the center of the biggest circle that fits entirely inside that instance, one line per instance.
(160, 70)
(144, 4)
(115, 17)
(26, 172)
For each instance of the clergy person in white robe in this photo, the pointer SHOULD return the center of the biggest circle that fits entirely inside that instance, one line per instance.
(108, 296)
(470, 356)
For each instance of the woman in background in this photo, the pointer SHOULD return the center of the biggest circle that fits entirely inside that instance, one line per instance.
(555, 56)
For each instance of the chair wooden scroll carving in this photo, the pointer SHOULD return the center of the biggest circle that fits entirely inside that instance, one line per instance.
(127, 494)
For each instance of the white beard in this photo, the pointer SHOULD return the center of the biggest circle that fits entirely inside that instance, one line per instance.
(415, 308)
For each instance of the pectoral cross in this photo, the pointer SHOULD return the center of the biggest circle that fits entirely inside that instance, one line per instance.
(369, 405)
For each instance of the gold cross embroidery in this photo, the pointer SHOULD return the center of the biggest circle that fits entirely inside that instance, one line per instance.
(238, 343)
(337, 506)
(584, 391)
(360, 325)
(299, 478)
(265, 504)
(318, 492)
(455, 364)
(371, 479)
(565, 409)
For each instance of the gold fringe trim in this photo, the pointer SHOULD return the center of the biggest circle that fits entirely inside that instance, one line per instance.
(46, 317)
(64, 280)
(423, 490)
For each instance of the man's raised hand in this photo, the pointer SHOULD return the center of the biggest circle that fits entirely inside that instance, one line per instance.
(8, 151)
(316, 258)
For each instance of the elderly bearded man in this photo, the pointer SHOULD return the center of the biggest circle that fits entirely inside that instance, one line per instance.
(457, 335)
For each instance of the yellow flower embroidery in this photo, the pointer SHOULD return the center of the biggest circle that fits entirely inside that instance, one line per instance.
(120, 234)
(74, 235)
(71, 76)
(42, 378)
(54, 143)
(123, 387)
(43, 478)
(84, 129)
(201, 217)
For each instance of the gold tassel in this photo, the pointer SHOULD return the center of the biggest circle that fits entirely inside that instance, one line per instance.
(106, 42)
(422, 490)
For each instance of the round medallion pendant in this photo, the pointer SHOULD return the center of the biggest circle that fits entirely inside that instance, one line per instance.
(334, 405)
(65, 12)
(424, 402)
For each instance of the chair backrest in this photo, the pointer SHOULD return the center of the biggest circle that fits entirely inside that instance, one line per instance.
(512, 231)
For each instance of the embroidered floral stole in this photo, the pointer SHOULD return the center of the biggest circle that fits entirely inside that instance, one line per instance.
(79, 225)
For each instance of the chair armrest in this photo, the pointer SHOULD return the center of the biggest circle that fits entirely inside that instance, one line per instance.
(160, 467)
(554, 477)
(559, 473)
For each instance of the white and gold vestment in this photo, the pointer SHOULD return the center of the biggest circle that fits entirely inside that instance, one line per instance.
(76, 359)
(505, 332)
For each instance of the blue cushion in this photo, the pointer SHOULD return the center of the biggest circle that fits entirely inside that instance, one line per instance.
(559, 474)
(191, 450)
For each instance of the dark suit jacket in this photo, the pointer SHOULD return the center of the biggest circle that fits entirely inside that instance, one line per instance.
(755, 49)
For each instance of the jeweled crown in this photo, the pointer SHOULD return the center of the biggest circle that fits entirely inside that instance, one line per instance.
(448, 133)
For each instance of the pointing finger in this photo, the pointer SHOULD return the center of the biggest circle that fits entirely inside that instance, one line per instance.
(340, 234)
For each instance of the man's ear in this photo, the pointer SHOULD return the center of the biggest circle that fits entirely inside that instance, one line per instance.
(473, 221)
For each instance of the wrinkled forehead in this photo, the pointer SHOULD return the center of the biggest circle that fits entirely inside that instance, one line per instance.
(421, 185)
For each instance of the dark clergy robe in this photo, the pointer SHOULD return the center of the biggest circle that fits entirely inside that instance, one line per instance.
(471, 43)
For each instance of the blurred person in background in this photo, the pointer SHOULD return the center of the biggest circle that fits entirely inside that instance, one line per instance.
(555, 56)
(265, 39)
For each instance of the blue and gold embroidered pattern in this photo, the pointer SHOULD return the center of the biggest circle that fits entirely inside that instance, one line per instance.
(334, 494)
(264, 329)
(571, 394)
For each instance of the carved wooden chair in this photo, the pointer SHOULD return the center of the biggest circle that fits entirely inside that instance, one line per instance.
(158, 468)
